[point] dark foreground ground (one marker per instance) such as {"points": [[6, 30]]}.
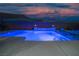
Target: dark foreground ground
{"points": [[17, 46]]}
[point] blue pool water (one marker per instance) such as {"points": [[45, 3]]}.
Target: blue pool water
{"points": [[35, 35]]}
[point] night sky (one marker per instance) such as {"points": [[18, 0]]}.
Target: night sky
{"points": [[43, 10]]}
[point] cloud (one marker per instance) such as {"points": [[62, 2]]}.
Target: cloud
{"points": [[37, 10], [68, 12], [73, 5], [46, 11]]}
